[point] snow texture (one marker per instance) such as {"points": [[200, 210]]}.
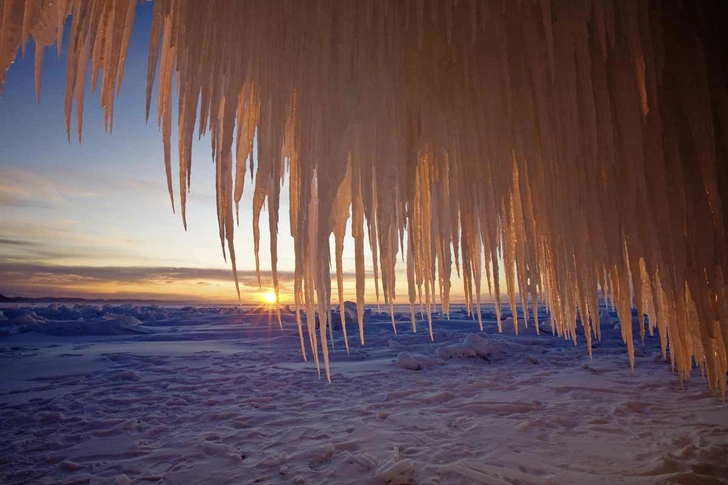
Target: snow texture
{"points": [[221, 395]]}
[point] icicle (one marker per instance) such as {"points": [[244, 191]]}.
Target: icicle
{"points": [[581, 142], [340, 215]]}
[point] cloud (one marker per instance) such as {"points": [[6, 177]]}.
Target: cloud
{"points": [[179, 283], [15, 242], [16, 201], [34, 279], [22, 187], [24, 250], [61, 242], [50, 275], [34, 187], [134, 274], [188, 284]]}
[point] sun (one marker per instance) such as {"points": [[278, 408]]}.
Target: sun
{"points": [[269, 297]]}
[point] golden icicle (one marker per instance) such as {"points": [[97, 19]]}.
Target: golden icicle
{"points": [[585, 143]]}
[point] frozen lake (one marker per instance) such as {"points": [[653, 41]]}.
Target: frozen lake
{"points": [[207, 395]]}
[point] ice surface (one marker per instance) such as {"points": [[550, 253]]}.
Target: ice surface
{"points": [[405, 360], [221, 395], [584, 143], [473, 346]]}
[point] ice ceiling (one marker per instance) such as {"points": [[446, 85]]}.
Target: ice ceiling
{"points": [[585, 142]]}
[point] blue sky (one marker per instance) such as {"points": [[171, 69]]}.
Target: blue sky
{"points": [[94, 219], [103, 203]]}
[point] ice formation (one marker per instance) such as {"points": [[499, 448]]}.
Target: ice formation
{"points": [[583, 143]]}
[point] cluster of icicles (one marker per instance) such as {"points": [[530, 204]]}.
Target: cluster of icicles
{"points": [[582, 144]]}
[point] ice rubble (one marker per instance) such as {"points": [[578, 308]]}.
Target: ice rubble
{"points": [[80, 319], [473, 346], [584, 142]]}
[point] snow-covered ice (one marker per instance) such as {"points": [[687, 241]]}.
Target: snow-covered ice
{"points": [[123, 394]]}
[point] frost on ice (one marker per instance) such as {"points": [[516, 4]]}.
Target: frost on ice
{"points": [[583, 144]]}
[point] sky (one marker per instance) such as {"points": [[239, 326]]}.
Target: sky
{"points": [[93, 219]]}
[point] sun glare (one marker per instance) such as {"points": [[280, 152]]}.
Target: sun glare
{"points": [[269, 297]]}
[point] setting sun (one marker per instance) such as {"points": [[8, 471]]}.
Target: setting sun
{"points": [[269, 297]]}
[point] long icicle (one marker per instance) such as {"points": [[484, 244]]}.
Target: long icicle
{"points": [[584, 142]]}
